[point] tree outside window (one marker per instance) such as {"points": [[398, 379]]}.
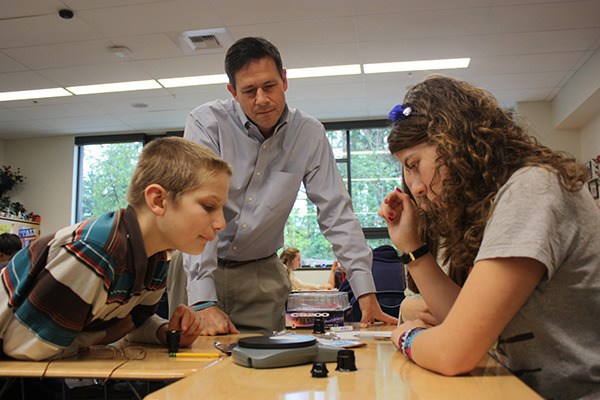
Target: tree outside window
{"points": [[369, 172], [360, 148]]}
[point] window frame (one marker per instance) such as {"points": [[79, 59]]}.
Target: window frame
{"points": [[347, 126], [81, 141]]}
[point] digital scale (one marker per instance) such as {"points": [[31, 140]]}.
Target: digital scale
{"points": [[281, 351]]}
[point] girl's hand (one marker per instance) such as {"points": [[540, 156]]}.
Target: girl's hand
{"points": [[398, 332], [413, 308], [400, 213]]}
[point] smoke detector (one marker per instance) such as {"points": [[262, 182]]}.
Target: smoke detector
{"points": [[202, 41]]}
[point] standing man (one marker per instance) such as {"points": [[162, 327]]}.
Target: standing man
{"points": [[239, 282]]}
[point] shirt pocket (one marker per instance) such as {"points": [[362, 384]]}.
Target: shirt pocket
{"points": [[282, 190]]}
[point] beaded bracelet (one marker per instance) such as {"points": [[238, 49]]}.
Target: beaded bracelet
{"points": [[407, 339]]}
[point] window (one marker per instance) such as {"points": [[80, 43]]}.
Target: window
{"points": [[370, 173], [360, 147], [105, 165]]}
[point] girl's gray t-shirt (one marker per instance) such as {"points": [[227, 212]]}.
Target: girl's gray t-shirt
{"points": [[553, 342]]}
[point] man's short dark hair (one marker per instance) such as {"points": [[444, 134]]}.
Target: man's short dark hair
{"points": [[10, 243], [250, 49]]}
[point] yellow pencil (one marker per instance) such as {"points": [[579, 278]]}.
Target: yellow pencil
{"points": [[196, 355]]}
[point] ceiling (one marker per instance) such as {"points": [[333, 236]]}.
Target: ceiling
{"points": [[521, 50]]}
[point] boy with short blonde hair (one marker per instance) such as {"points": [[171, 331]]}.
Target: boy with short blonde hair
{"points": [[97, 281]]}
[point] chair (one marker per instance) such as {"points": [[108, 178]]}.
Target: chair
{"points": [[388, 275], [389, 301]]}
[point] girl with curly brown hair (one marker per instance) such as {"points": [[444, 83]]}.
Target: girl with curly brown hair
{"points": [[509, 215]]}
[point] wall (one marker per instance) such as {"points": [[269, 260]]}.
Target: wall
{"points": [[2, 152], [318, 276], [47, 164], [590, 139], [538, 116]]}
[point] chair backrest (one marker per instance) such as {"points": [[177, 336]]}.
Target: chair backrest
{"points": [[388, 275], [389, 301]]}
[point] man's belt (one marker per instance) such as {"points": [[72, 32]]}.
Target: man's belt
{"points": [[223, 263]]}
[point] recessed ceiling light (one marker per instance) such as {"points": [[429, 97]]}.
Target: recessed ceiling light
{"points": [[421, 65], [34, 94], [115, 87], [194, 80], [333, 70], [120, 51]]}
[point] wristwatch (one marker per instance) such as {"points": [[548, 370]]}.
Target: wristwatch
{"points": [[413, 255]]}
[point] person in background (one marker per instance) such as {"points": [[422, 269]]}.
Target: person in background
{"points": [[516, 216], [97, 281], [238, 281], [292, 260], [337, 275], [9, 245]]}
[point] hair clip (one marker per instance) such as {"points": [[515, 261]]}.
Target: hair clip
{"points": [[399, 112]]}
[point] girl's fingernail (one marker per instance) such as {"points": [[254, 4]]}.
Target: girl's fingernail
{"points": [[386, 201], [398, 190]]}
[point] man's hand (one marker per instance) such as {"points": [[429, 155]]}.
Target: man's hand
{"points": [[371, 311], [213, 321]]}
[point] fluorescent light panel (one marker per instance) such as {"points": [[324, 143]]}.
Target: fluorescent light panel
{"points": [[34, 94], [194, 80], [333, 70], [115, 87], [310, 72], [422, 65]]}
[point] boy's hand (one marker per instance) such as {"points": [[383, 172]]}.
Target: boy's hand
{"points": [[184, 319]]}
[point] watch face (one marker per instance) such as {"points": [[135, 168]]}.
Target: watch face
{"points": [[413, 255]]}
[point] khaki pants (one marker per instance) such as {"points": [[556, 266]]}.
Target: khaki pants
{"points": [[252, 294]]}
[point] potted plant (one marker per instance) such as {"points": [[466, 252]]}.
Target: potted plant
{"points": [[9, 178]]}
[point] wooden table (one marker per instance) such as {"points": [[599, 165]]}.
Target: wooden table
{"points": [[383, 373], [156, 366]]}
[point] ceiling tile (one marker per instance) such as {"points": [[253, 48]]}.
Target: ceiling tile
{"points": [[408, 25], [544, 17], [64, 55], [45, 29], [266, 11], [159, 17], [536, 42], [123, 71], [209, 64], [25, 80], [520, 50], [301, 33], [400, 6], [428, 48], [8, 64]]}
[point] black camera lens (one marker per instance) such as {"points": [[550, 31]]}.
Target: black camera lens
{"points": [[173, 339], [66, 13]]}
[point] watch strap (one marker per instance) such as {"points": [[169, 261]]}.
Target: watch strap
{"points": [[413, 255]]}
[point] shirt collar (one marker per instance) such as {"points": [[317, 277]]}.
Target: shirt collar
{"points": [[143, 265]]}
